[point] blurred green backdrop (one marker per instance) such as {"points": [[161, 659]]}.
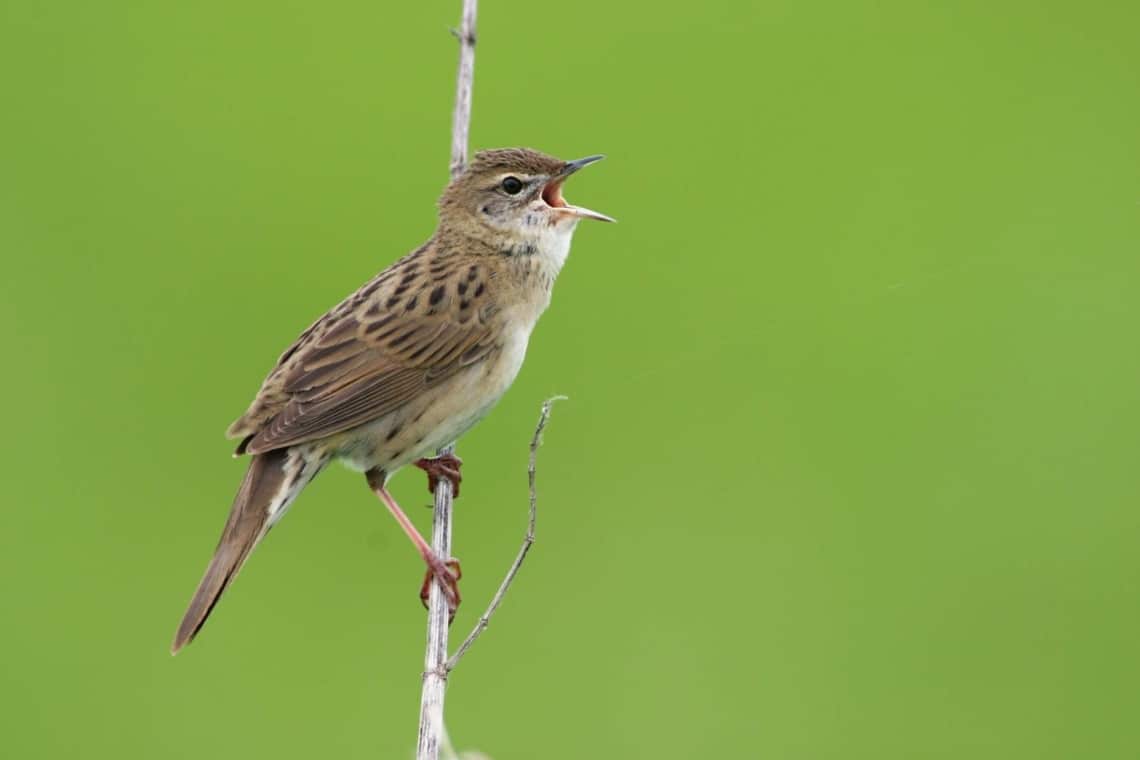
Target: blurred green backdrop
{"points": [[848, 469]]}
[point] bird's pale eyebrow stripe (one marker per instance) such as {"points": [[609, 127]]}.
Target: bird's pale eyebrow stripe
{"points": [[526, 179]]}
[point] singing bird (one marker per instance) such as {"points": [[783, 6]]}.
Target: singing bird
{"points": [[407, 363]]}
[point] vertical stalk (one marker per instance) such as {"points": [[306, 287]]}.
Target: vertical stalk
{"points": [[435, 658]]}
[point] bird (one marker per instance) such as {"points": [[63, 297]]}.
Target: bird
{"points": [[406, 364]]}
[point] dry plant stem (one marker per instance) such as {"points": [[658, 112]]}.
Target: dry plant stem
{"points": [[432, 731], [528, 540], [435, 657], [435, 676], [461, 118]]}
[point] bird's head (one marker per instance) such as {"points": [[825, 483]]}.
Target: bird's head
{"points": [[515, 193]]}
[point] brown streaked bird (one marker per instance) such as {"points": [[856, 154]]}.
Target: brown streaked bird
{"points": [[407, 363]]}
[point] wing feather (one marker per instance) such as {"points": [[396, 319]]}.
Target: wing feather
{"points": [[365, 359]]}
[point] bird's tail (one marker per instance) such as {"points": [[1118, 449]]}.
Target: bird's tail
{"points": [[271, 483]]}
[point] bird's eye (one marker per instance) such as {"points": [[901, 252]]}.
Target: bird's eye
{"points": [[512, 185]]}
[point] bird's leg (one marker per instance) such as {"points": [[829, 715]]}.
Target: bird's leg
{"points": [[443, 466], [447, 572]]}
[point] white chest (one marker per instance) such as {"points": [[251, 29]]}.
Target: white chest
{"points": [[553, 244], [473, 394]]}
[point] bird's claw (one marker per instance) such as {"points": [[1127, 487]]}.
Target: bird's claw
{"points": [[448, 573], [443, 466]]}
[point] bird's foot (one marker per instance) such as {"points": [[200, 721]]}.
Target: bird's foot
{"points": [[448, 574], [444, 466]]}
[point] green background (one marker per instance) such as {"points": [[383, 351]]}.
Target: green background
{"points": [[849, 465]]}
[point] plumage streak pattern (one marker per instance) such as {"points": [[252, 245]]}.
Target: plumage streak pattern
{"points": [[418, 322]]}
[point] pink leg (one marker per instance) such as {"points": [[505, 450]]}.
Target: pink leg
{"points": [[447, 573]]}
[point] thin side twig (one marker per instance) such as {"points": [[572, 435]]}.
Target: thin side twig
{"points": [[528, 541], [435, 657]]}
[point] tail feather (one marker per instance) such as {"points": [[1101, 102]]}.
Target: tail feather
{"points": [[265, 493]]}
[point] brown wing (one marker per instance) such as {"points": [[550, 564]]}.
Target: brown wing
{"points": [[407, 330]]}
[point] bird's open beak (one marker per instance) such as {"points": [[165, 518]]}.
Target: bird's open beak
{"points": [[552, 193]]}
